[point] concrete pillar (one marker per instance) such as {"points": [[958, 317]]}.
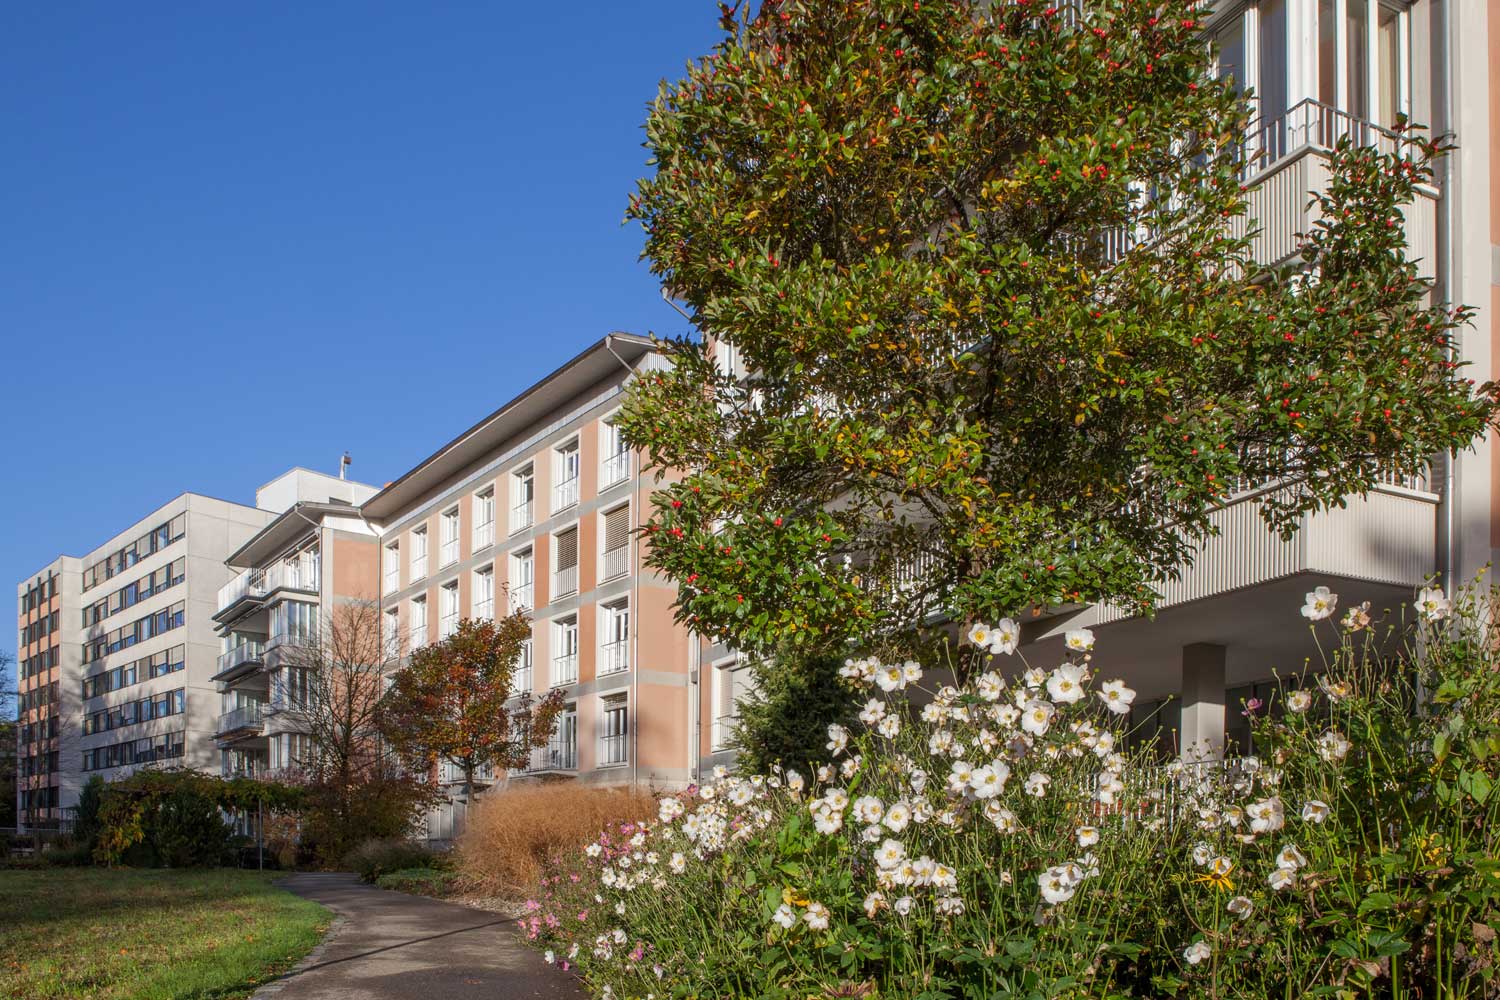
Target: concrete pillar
{"points": [[1202, 701]]}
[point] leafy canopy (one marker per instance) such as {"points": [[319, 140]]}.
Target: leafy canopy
{"points": [[452, 701], [1000, 342]]}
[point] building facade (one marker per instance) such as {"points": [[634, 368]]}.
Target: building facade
{"points": [[117, 651], [315, 561], [535, 508]]}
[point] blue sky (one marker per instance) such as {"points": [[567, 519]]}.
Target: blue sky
{"points": [[237, 239]]}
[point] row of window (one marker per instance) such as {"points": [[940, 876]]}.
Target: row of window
{"points": [[46, 694], [41, 628], [157, 706], [293, 622], [35, 800], [614, 469], [137, 631], [133, 593], [561, 751], [40, 663], [127, 556], [35, 764], [41, 729], [168, 746], [38, 593], [168, 661]]}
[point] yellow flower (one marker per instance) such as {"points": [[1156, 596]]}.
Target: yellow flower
{"points": [[791, 897], [1217, 881]]}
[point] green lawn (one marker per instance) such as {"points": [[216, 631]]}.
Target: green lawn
{"points": [[91, 932]]}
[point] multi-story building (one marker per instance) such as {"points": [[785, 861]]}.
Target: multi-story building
{"points": [[117, 649], [313, 561], [535, 508]]}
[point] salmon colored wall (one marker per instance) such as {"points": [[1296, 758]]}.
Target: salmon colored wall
{"points": [[356, 568]]}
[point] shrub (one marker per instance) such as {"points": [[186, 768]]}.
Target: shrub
{"points": [[375, 858], [792, 702], [68, 854], [511, 834], [419, 881], [1000, 844]]}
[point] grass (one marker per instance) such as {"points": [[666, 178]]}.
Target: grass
{"points": [[148, 935]]}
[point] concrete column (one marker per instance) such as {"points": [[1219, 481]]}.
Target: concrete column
{"points": [[1202, 701]]}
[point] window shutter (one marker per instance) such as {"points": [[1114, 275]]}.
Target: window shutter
{"points": [[616, 529], [567, 549]]}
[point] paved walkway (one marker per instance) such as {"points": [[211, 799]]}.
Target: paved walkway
{"points": [[392, 946]]}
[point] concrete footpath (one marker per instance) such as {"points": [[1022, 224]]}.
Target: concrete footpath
{"points": [[392, 946]]}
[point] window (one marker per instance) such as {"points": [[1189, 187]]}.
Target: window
{"points": [[447, 609], [616, 543], [418, 627], [293, 622], [614, 637], [522, 590], [484, 518], [613, 748], [565, 551], [614, 467], [419, 552], [565, 650], [392, 567], [484, 592], [562, 749], [448, 523], [522, 491], [565, 476], [392, 633], [521, 682], [729, 683]]}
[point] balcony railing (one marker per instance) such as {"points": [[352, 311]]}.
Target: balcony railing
{"points": [[521, 682], [521, 597], [418, 567], [723, 728], [520, 516], [614, 469], [447, 625], [564, 669], [448, 554], [250, 583], [616, 562], [559, 755], [484, 534], [614, 656], [299, 575], [246, 652], [246, 717], [613, 750], [565, 494], [392, 581], [565, 581]]}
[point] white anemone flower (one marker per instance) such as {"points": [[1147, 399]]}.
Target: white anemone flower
{"points": [[1291, 858], [1298, 701], [1197, 952], [1003, 819], [868, 809], [1087, 836], [1240, 906], [959, 776], [1058, 884], [784, 917], [890, 677], [1266, 816], [816, 916], [1036, 784], [1202, 852], [873, 712], [889, 727], [1332, 746], [1315, 811], [1037, 717], [1116, 696], [874, 903], [677, 863], [1320, 603], [1432, 604], [1079, 640], [1035, 677], [1282, 878], [989, 781], [980, 634], [903, 905], [838, 738], [890, 854], [1109, 788], [911, 672], [897, 817], [1065, 685], [1005, 637], [989, 686]]}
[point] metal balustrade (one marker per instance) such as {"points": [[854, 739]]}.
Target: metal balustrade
{"points": [[248, 716]]}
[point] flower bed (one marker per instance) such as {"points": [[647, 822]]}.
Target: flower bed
{"points": [[1002, 842]]}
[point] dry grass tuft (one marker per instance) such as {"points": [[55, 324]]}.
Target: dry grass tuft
{"points": [[511, 834]]}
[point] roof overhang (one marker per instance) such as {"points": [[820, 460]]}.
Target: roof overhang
{"points": [[289, 526], [596, 363]]}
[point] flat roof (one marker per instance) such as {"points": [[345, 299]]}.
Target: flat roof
{"points": [[589, 367]]}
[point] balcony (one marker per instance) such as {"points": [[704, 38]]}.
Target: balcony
{"points": [[565, 494], [419, 567], [613, 750], [614, 656], [616, 562], [520, 516], [301, 575], [564, 669], [448, 554], [240, 661], [247, 720], [558, 755], [614, 469], [565, 581], [484, 535], [244, 591], [521, 597]]}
